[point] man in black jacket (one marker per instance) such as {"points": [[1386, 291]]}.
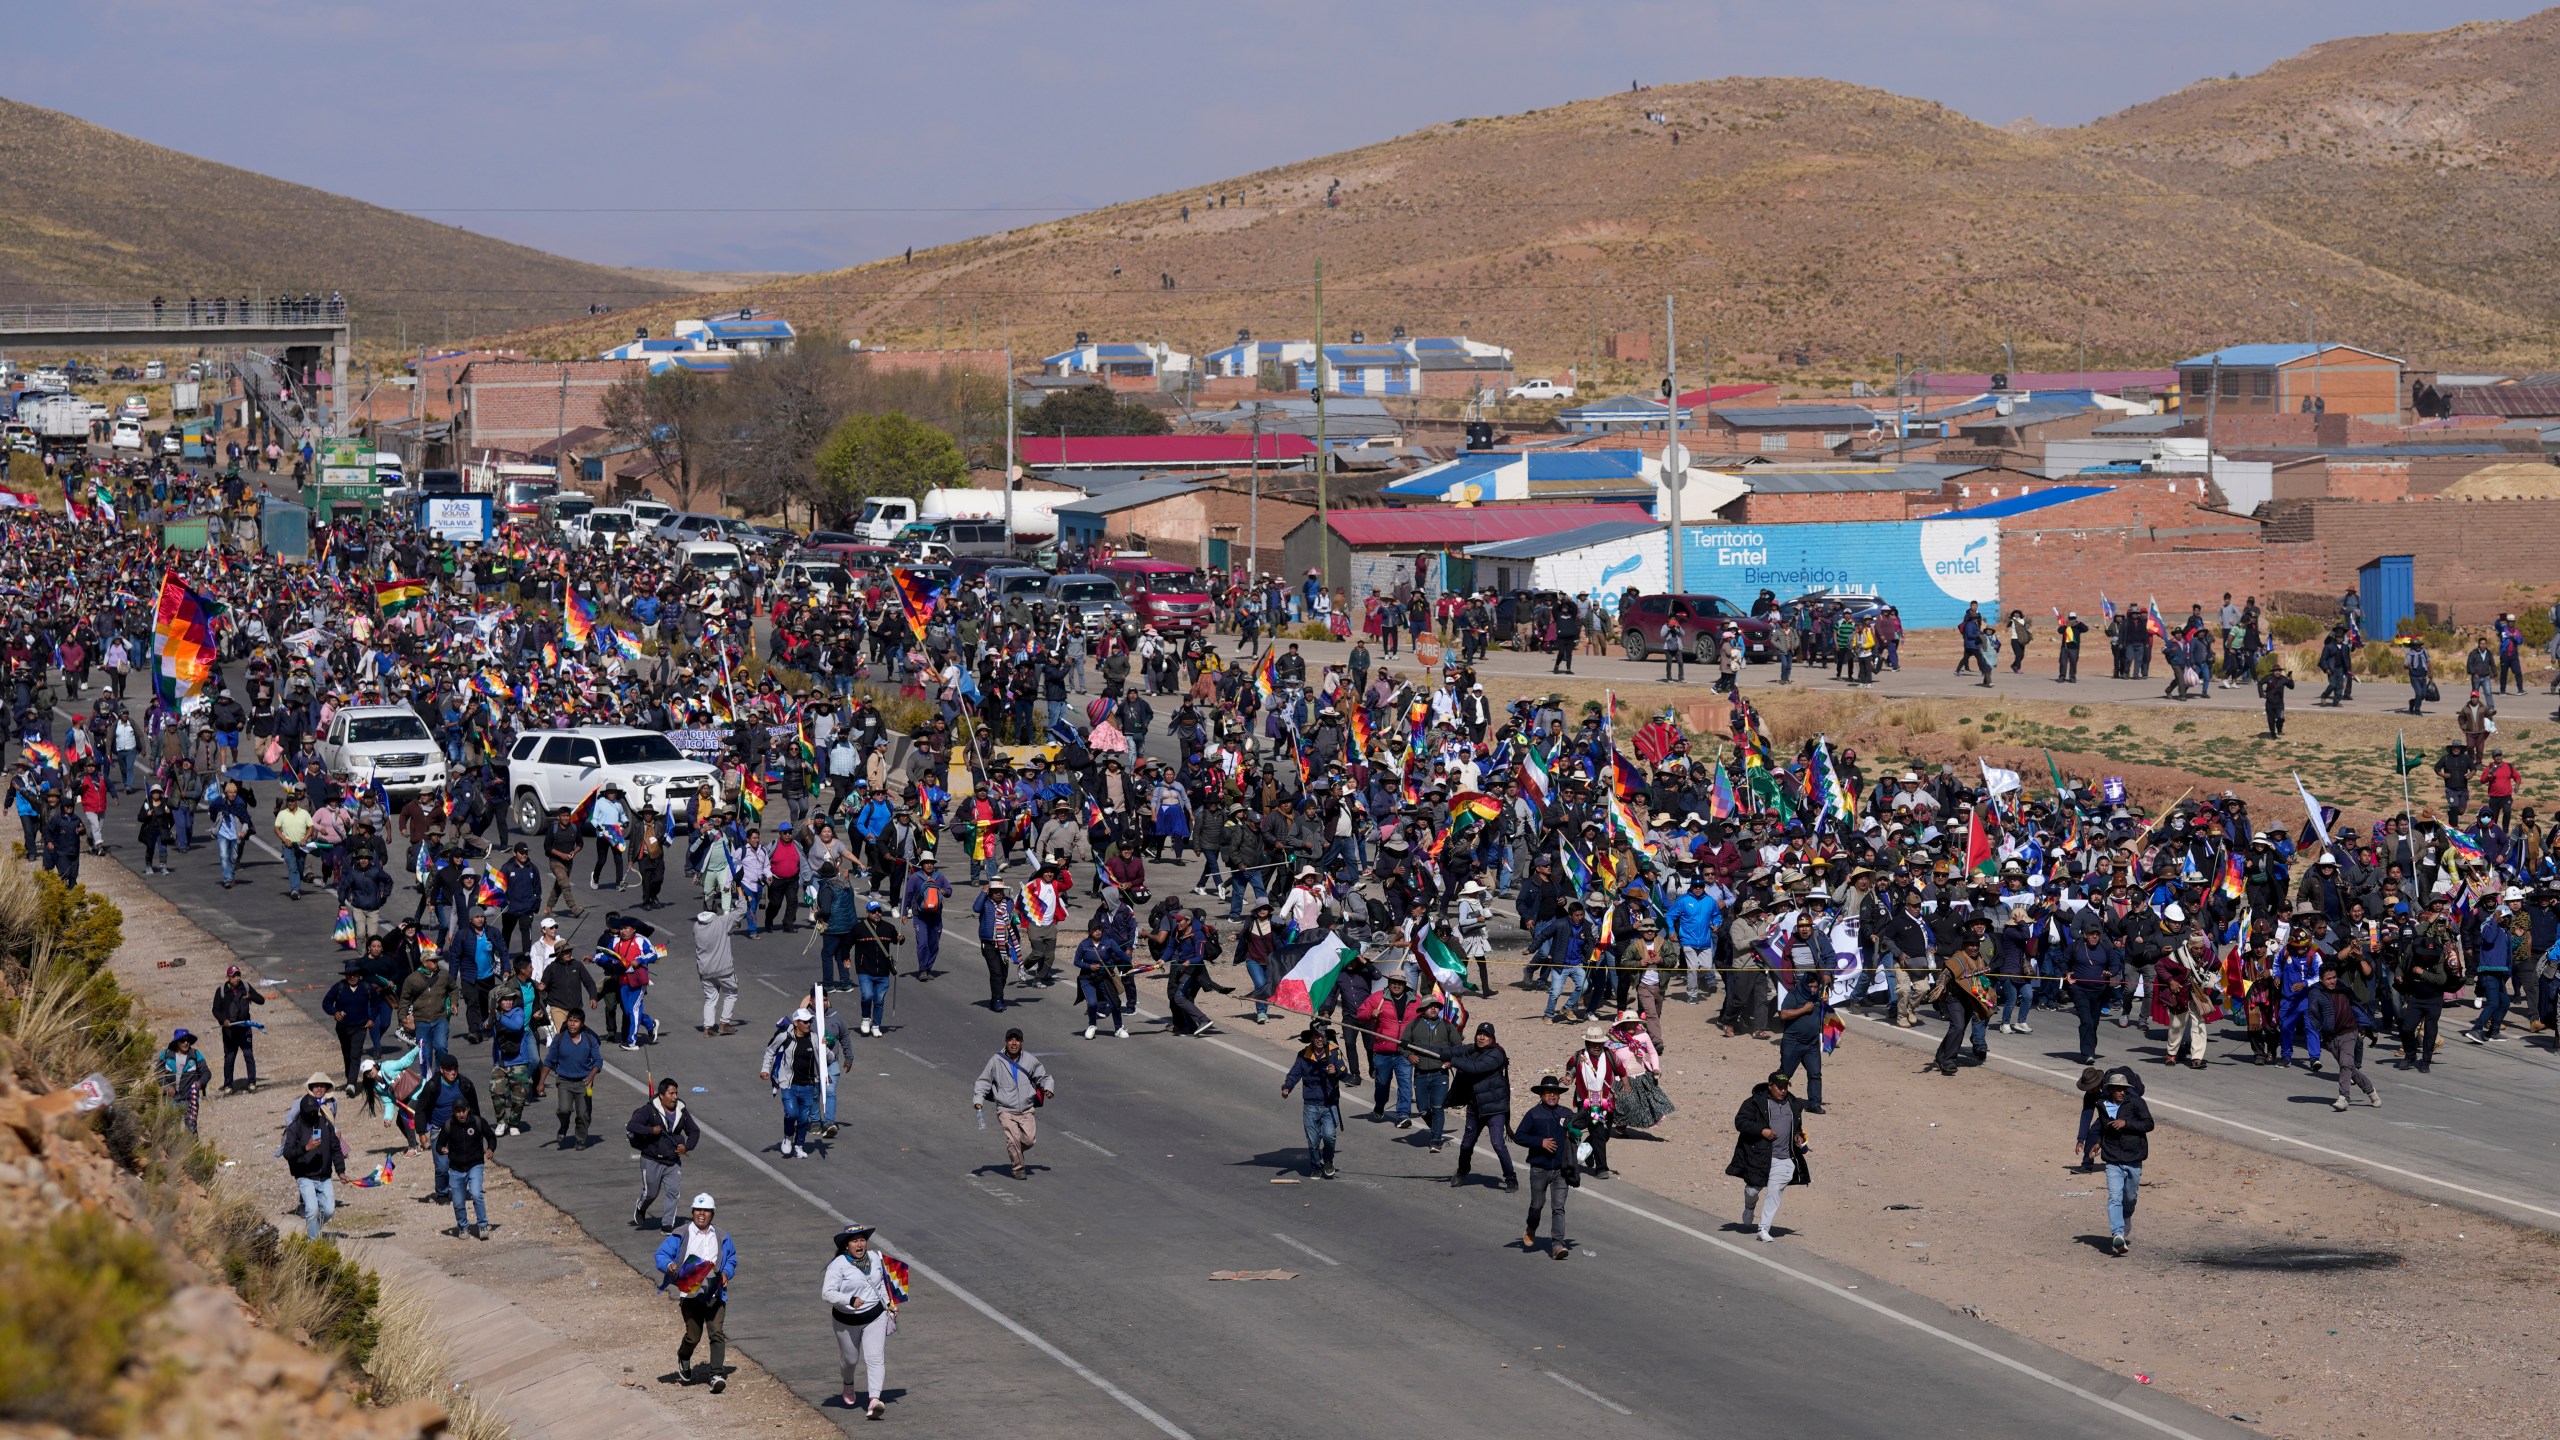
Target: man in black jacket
{"points": [[664, 1132], [1482, 1087], [1768, 1150], [239, 1033], [2124, 1143], [1546, 1134]]}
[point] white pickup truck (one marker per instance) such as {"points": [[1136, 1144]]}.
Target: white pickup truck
{"points": [[551, 770], [389, 743]]}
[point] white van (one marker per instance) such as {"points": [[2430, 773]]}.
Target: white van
{"points": [[715, 557]]}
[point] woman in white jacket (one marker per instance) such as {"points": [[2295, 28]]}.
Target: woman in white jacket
{"points": [[856, 1290]]}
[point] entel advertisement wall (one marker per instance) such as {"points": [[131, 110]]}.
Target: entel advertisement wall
{"points": [[1929, 570]]}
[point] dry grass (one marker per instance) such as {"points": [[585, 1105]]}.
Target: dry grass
{"points": [[411, 1362], [1916, 717]]}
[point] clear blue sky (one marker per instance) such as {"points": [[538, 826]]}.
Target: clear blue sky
{"points": [[802, 135]]}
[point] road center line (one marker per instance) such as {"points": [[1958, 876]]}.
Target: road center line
{"points": [[1303, 1248], [1020, 1331], [1587, 1393], [910, 1054], [1089, 1145]]}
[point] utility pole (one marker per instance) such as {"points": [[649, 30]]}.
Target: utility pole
{"points": [[1253, 512], [1674, 473], [2212, 402], [1324, 506], [1008, 445]]}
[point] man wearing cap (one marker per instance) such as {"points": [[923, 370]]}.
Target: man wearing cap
{"points": [[1318, 1075], [355, 1006], [794, 1065], [717, 966], [314, 1155], [1768, 1150], [567, 982], [231, 1009], [700, 1255], [927, 890], [2124, 1144], [1545, 1134], [523, 899], [1018, 1084]]}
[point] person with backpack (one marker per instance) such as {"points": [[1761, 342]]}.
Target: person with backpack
{"points": [[315, 1157]]}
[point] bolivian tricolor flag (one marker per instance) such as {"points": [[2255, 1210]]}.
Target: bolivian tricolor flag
{"points": [[393, 596], [1473, 805]]}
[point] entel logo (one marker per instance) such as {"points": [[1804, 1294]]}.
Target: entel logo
{"points": [[1962, 559]]}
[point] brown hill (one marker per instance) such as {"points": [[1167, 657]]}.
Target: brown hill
{"points": [[90, 214], [2429, 156], [1809, 215]]}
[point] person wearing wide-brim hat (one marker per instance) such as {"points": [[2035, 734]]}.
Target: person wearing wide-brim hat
{"points": [[1768, 1150], [1318, 1074], [1545, 1134], [862, 1309]]}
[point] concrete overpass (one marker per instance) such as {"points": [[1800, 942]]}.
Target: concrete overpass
{"points": [[312, 337]]}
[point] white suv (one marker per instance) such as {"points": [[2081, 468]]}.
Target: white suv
{"points": [[556, 769], [389, 743]]}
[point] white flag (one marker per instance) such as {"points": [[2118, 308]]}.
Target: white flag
{"points": [[1998, 782], [2311, 807]]}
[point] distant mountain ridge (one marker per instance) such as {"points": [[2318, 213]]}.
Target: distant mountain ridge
{"points": [[2395, 188], [90, 214]]}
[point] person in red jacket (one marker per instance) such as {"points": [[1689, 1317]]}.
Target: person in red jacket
{"points": [[782, 892], [2501, 780], [1385, 1015]]}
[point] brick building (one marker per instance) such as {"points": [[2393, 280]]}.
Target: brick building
{"points": [[1792, 430], [508, 407], [2293, 379], [1214, 524]]}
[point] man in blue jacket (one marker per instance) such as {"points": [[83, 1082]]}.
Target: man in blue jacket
{"points": [[1696, 916], [698, 1262], [572, 1062], [472, 953], [2297, 973], [1545, 1134], [523, 885]]}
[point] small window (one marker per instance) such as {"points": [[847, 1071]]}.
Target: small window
{"points": [[583, 753], [2262, 383], [558, 751], [2230, 384], [1773, 442]]}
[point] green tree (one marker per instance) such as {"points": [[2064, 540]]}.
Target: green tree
{"points": [[1091, 410], [889, 454]]}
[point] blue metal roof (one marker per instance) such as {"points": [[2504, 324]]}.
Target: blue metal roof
{"points": [[1365, 355], [2283, 354], [1544, 466], [751, 329], [1123, 497], [2009, 505], [1838, 417], [1537, 546]]}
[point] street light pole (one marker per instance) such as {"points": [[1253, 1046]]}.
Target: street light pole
{"points": [[1673, 471]]}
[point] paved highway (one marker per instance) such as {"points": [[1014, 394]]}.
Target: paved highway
{"points": [[1078, 1301]]}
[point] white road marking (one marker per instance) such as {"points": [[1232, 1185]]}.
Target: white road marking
{"points": [[1587, 1393], [1019, 1331], [2350, 1157], [1888, 1312], [769, 985], [910, 1054], [1089, 1145], [1303, 1248]]}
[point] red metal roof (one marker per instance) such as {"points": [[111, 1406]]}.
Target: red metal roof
{"points": [[1451, 525], [1134, 452], [1718, 394]]}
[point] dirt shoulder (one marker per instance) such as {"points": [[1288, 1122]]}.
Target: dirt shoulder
{"points": [[536, 1257], [2451, 1335]]}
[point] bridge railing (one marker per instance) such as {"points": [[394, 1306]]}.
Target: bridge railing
{"points": [[255, 312]]}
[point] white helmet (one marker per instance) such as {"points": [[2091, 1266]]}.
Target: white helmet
{"points": [[703, 1202]]}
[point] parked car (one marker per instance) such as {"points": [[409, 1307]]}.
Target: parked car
{"points": [[648, 512], [1093, 599], [385, 743], [713, 557], [551, 769], [127, 435], [602, 527], [825, 577], [683, 525], [1701, 619], [1540, 390], [135, 407]]}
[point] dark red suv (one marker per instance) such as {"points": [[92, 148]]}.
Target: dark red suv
{"points": [[1703, 619]]}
